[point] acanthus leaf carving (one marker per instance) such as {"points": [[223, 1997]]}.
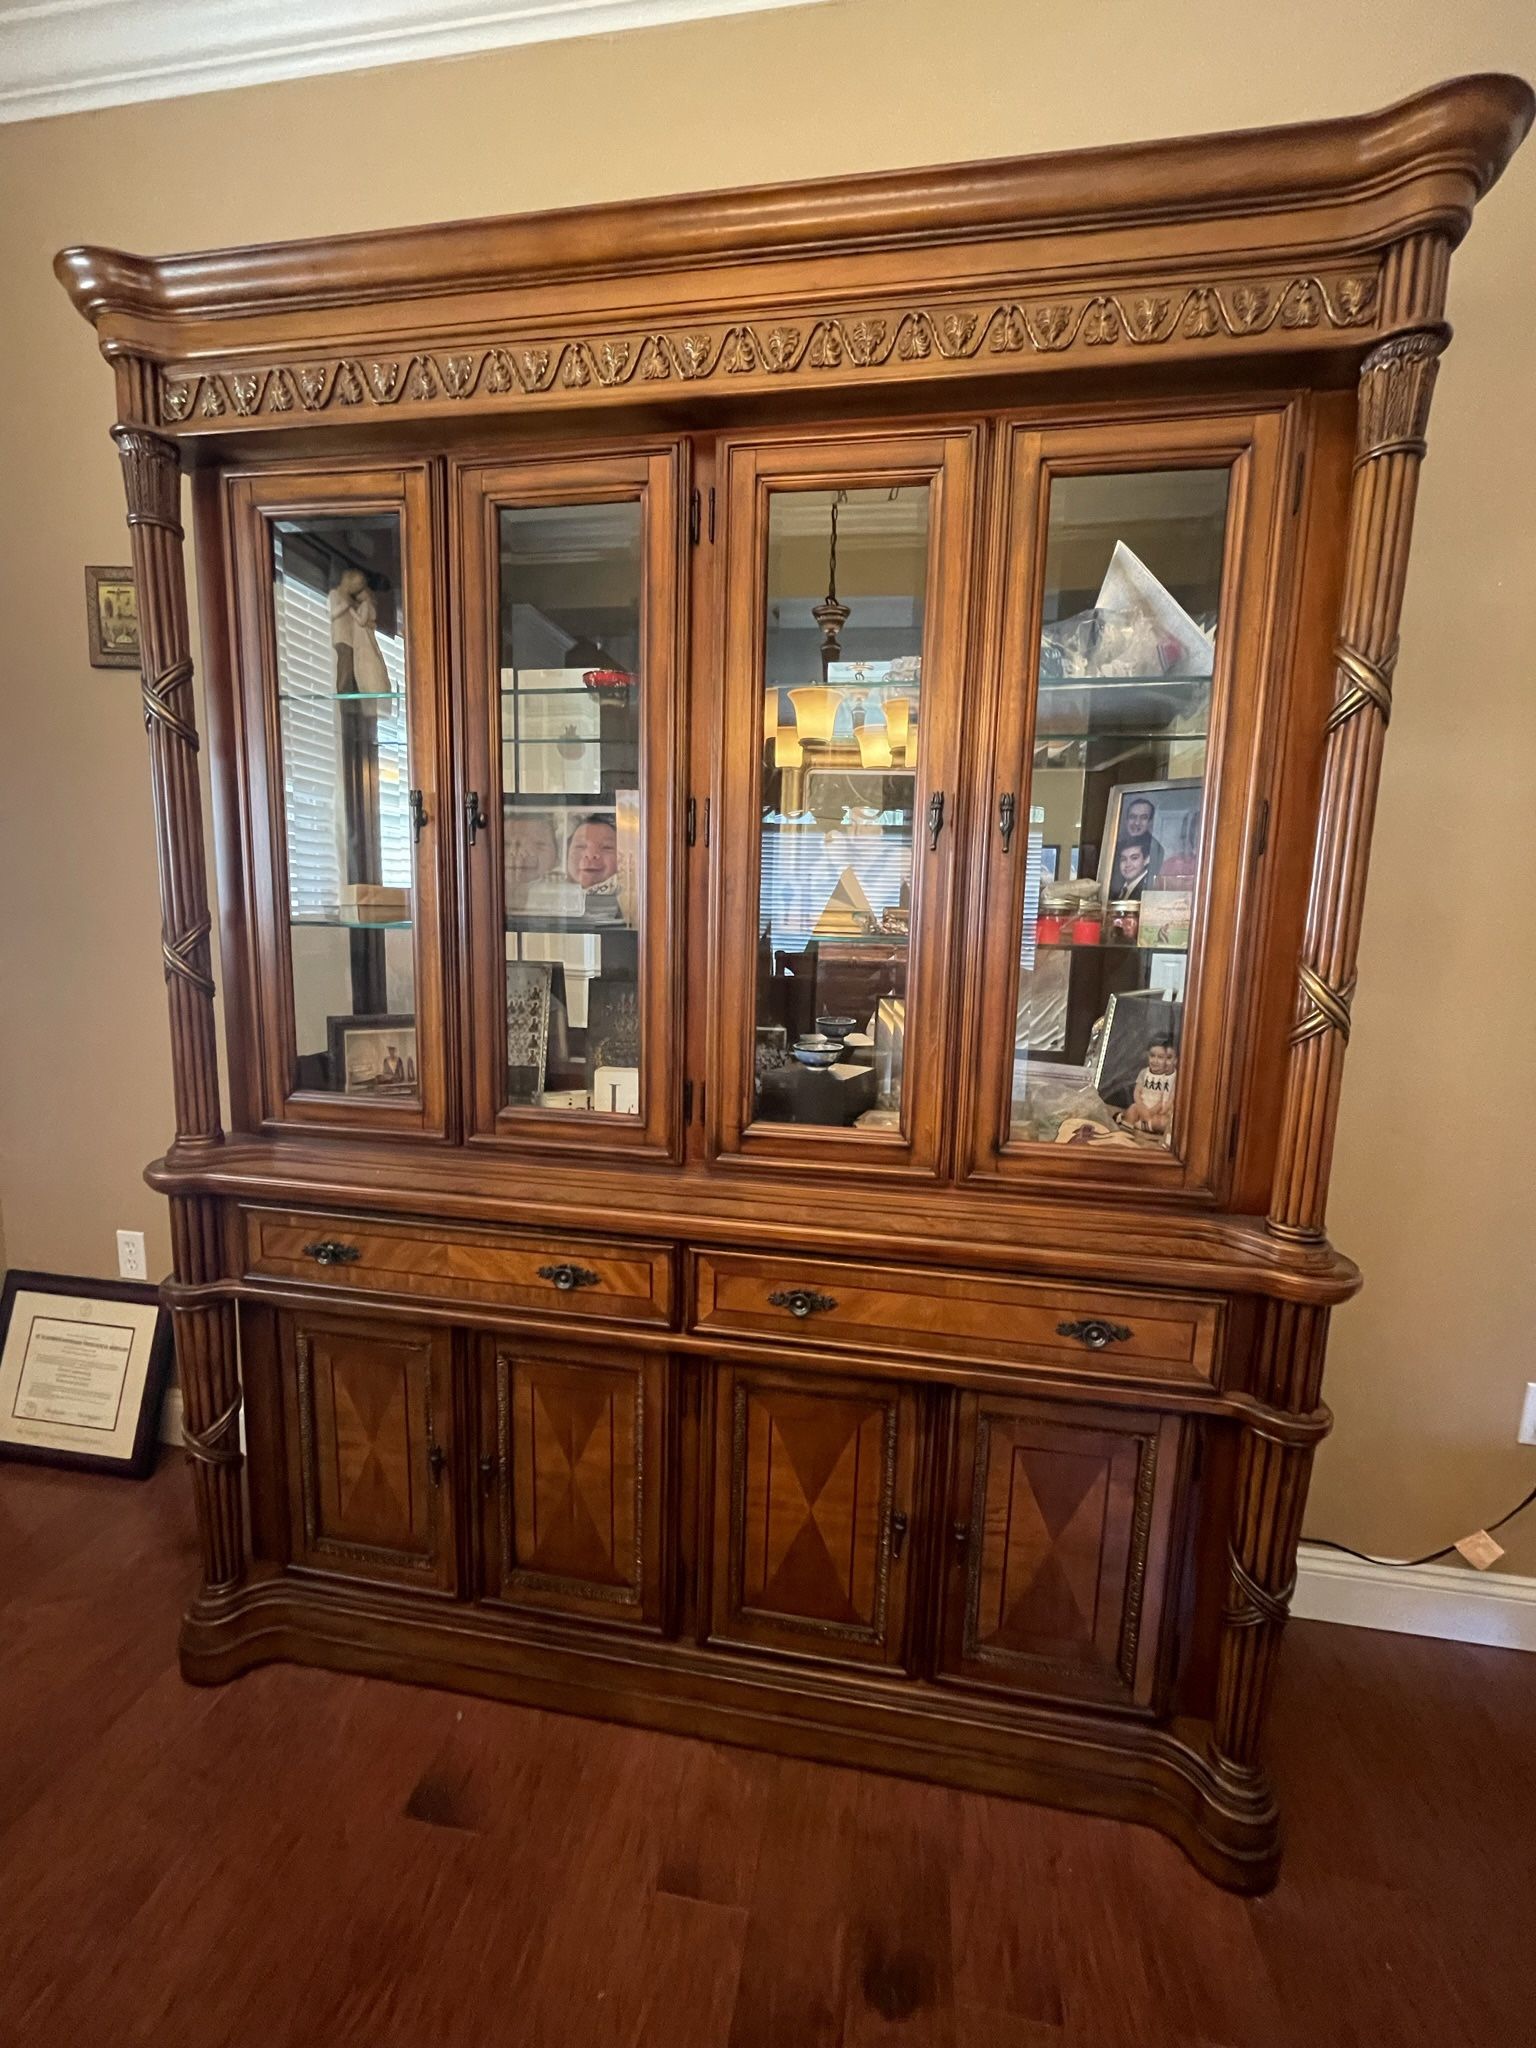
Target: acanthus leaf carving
{"points": [[1100, 325], [459, 372], [861, 340], [613, 360], [780, 349]]}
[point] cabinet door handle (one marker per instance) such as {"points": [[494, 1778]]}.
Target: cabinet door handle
{"points": [[437, 1457], [1097, 1335], [961, 1533], [935, 818], [1006, 806], [330, 1251], [475, 819], [801, 1301], [487, 1471], [564, 1278], [419, 818], [898, 1535]]}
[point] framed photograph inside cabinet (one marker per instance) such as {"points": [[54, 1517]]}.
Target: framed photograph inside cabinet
{"points": [[83, 1371]]}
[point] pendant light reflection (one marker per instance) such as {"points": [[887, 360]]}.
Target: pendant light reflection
{"points": [[816, 708], [898, 723], [874, 745]]}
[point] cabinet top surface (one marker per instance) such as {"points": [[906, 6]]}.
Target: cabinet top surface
{"points": [[1356, 181]]}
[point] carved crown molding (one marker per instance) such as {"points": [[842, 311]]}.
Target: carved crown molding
{"points": [[916, 340]]}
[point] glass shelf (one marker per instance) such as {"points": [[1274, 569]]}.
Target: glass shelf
{"points": [[340, 920], [1103, 948], [1163, 738], [587, 927], [628, 699], [340, 696]]}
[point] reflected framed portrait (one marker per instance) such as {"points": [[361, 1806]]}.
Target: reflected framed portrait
{"points": [[373, 1056], [111, 618], [1151, 834], [84, 1365]]}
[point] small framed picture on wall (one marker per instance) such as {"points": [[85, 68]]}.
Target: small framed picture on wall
{"points": [[111, 618]]}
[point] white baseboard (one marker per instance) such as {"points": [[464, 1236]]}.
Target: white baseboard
{"points": [[1451, 1601], [170, 1417]]}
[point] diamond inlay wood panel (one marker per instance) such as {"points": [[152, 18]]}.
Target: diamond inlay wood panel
{"points": [[1064, 1517], [809, 1475], [575, 1449], [368, 1404]]}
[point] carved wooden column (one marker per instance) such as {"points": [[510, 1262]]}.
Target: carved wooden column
{"points": [[1286, 1422], [203, 1323]]}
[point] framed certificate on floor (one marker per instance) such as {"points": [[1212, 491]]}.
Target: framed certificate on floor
{"points": [[83, 1371]]}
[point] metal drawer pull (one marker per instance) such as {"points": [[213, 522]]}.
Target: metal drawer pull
{"points": [[567, 1277], [1096, 1335], [801, 1301], [898, 1535], [330, 1251]]}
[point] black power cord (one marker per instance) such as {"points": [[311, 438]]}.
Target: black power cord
{"points": [[1430, 1556]]}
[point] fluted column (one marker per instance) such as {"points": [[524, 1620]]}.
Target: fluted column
{"points": [[1396, 383], [1284, 1419], [206, 1361]]}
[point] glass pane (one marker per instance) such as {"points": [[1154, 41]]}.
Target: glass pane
{"points": [[842, 727], [1113, 823], [570, 776], [341, 672]]}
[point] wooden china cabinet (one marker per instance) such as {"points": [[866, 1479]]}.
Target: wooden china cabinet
{"points": [[791, 775]]}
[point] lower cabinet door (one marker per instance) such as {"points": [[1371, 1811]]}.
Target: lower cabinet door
{"points": [[813, 1498], [572, 1474], [369, 1407], [1058, 1548]]}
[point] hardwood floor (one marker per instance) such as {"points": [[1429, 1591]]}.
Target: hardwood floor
{"points": [[300, 1858]]}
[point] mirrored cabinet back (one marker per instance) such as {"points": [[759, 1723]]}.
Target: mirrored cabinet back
{"points": [[791, 775]]}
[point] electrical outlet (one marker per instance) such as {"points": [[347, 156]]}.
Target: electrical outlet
{"points": [[1528, 1414], [131, 1262]]}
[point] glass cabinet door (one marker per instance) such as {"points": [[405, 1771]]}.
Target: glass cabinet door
{"points": [[1133, 608], [337, 673], [571, 611], [845, 623]]}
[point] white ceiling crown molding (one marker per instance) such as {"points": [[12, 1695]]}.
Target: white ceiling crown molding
{"points": [[67, 56]]}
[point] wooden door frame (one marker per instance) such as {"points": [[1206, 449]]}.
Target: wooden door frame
{"points": [[753, 467], [254, 499], [1260, 443], [653, 473]]}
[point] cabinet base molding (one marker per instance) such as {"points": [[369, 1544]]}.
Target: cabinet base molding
{"points": [[1158, 1776]]}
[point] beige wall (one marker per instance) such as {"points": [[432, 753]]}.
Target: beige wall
{"points": [[1434, 1184]]}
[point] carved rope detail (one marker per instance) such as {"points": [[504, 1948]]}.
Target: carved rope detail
{"points": [[1254, 1603], [158, 706], [206, 1445], [865, 340], [1370, 684], [1326, 1009], [181, 957]]}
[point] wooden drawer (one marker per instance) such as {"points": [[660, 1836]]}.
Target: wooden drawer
{"points": [[956, 1315], [579, 1276]]}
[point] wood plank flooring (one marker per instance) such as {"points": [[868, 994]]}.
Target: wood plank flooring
{"points": [[305, 1859]]}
